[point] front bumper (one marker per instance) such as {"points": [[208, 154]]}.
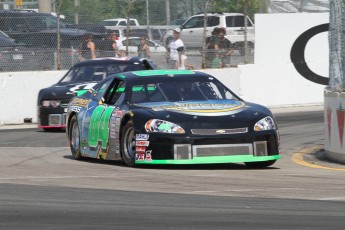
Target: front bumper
{"points": [[51, 117], [208, 150]]}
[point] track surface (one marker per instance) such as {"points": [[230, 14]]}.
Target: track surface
{"points": [[43, 188]]}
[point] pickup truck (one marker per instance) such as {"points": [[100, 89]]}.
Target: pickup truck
{"points": [[192, 30]]}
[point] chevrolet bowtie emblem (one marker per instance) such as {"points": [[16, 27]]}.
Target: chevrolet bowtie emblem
{"points": [[220, 131]]}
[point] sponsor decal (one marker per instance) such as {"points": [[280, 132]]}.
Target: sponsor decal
{"points": [[202, 107], [142, 137], [148, 156], [298, 58], [80, 102], [142, 143], [73, 108], [140, 149], [139, 156], [341, 122]]}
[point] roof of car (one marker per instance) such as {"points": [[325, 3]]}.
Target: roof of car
{"points": [[168, 73], [109, 59]]}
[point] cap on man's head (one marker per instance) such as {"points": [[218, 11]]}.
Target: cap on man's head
{"points": [[178, 30]]}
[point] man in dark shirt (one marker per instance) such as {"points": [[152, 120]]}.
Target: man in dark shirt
{"points": [[226, 48]]}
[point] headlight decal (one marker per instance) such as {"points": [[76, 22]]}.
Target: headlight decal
{"points": [[266, 123], [160, 126]]}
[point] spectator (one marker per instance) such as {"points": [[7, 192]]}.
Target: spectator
{"points": [[184, 62], [212, 47], [217, 61], [107, 46], [174, 50], [121, 49], [87, 49], [226, 47], [143, 48]]}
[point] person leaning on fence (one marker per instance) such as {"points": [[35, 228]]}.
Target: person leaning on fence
{"points": [[174, 50], [212, 47], [87, 48], [226, 47], [143, 48]]}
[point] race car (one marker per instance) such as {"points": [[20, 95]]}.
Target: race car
{"points": [[170, 117], [52, 101]]}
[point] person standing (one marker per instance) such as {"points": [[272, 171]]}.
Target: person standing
{"points": [[212, 47], [143, 48], [87, 49], [226, 47], [175, 49]]}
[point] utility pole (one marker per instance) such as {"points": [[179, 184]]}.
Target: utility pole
{"points": [[45, 6], [337, 46], [76, 14], [167, 10]]}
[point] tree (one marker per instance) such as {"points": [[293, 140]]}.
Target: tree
{"points": [[337, 46]]}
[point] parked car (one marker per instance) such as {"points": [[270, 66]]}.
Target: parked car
{"points": [[133, 43], [108, 23], [52, 101], [170, 117], [15, 57], [192, 30]]}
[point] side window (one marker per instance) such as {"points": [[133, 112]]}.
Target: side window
{"points": [[116, 94], [101, 90], [212, 21], [195, 22], [237, 21]]}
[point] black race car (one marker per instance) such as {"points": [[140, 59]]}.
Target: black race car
{"points": [[170, 117], [52, 101]]}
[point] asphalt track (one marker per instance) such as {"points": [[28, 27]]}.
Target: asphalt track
{"points": [[41, 187]]}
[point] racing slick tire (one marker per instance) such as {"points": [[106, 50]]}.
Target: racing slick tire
{"points": [[74, 138], [260, 164], [128, 144]]}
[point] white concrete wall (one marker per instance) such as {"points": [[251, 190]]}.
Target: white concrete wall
{"points": [[271, 81]]}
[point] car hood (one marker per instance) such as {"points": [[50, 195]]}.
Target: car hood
{"points": [[59, 91], [212, 111]]}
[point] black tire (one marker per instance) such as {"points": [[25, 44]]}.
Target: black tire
{"points": [[260, 164], [128, 144], [74, 138]]}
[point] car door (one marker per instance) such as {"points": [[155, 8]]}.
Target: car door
{"points": [[193, 30], [97, 120]]}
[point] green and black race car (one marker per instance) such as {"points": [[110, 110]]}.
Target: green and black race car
{"points": [[170, 117]]}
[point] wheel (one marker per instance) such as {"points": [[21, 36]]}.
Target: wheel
{"points": [[260, 164], [128, 144], [74, 138]]}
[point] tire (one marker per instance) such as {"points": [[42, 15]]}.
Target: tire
{"points": [[260, 164], [74, 138], [128, 144]]}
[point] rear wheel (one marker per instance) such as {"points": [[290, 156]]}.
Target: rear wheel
{"points": [[74, 138], [260, 164], [128, 144]]}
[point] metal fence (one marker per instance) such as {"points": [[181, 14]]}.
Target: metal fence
{"points": [[55, 40]]}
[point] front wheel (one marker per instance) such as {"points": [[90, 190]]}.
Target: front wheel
{"points": [[74, 138], [260, 164], [128, 144]]}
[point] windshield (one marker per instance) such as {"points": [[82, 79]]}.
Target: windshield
{"points": [[5, 42], [97, 72], [43, 22], [179, 91]]}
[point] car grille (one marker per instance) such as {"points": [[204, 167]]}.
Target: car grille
{"points": [[218, 131], [64, 103], [222, 150]]}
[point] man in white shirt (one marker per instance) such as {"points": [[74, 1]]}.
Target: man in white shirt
{"points": [[175, 49]]}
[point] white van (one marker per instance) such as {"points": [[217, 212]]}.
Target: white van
{"points": [[119, 22]]}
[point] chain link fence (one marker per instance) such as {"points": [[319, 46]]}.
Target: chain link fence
{"points": [[58, 38]]}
